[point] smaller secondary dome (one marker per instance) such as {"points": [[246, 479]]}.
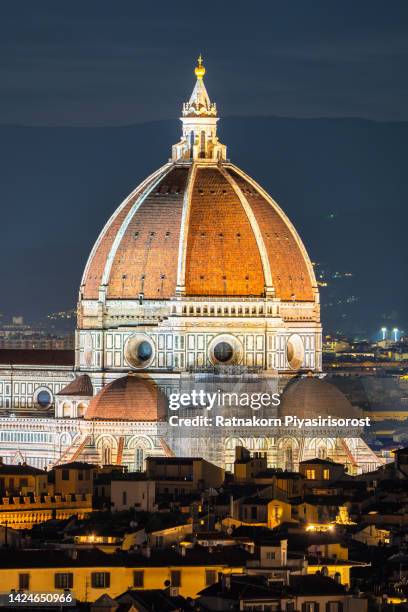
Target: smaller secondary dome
{"points": [[128, 398], [309, 398]]}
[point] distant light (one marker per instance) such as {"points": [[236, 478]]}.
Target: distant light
{"points": [[384, 332], [322, 527]]}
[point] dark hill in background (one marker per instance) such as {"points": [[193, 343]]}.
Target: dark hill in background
{"points": [[343, 183]]}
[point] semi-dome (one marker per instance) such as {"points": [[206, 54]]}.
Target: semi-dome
{"points": [[129, 398], [313, 397], [199, 226]]}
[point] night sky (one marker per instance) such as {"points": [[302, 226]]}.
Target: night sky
{"points": [[314, 102]]}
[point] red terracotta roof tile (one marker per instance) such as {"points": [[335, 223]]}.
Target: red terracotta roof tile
{"points": [[81, 386], [128, 398]]}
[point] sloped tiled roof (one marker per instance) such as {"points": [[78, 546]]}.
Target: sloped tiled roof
{"points": [[81, 386]]}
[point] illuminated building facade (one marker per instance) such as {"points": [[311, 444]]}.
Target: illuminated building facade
{"points": [[197, 269]]}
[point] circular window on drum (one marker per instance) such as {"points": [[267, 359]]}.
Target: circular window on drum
{"points": [[43, 398], [295, 352], [225, 350], [139, 351]]}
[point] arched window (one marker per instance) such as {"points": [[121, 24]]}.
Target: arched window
{"points": [[107, 455], [322, 452], [139, 459], [81, 410], [288, 458], [202, 144]]}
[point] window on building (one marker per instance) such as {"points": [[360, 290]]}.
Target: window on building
{"points": [[80, 475], [100, 580], [288, 458], [44, 398], [270, 556], [144, 351], [81, 409], [334, 606], [65, 475], [139, 459], [311, 474], [276, 512], [326, 474], [310, 606], [322, 452], [223, 352], [175, 578], [23, 482], [107, 455], [124, 498], [254, 513], [138, 579], [63, 580], [24, 582], [211, 577]]}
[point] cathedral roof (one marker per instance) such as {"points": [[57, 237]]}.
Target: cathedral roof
{"points": [[128, 398], [312, 397], [236, 242], [199, 226], [80, 386]]}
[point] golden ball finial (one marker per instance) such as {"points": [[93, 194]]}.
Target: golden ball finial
{"points": [[200, 70]]}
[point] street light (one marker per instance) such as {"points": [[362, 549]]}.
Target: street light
{"points": [[384, 332]]}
